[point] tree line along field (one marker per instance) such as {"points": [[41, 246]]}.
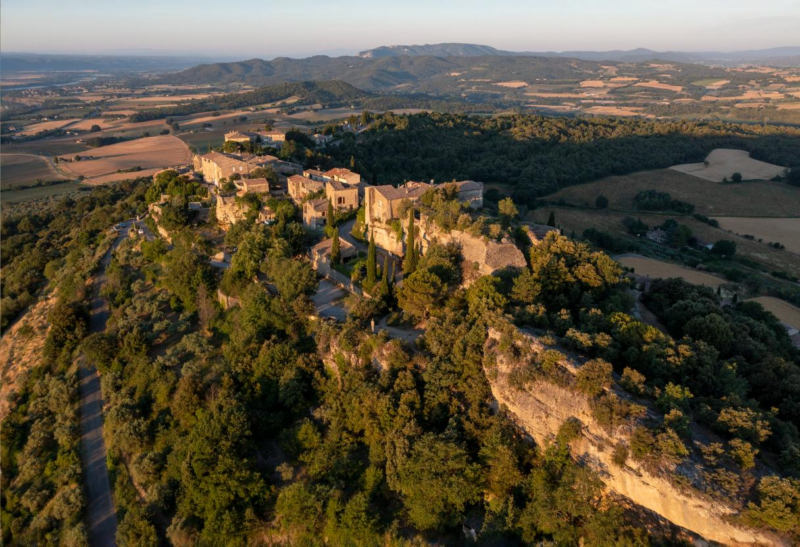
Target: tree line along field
{"points": [[752, 199], [578, 220]]}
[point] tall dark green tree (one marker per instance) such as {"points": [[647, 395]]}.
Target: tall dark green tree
{"points": [[551, 221], [371, 265], [336, 252], [385, 277], [411, 257], [329, 219]]}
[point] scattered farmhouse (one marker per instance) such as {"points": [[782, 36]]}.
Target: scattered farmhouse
{"points": [[315, 212], [275, 137], [320, 139], [300, 187], [240, 137]]}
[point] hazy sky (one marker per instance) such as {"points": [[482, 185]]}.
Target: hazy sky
{"points": [[267, 28]]}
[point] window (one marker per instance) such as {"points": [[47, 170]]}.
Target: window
{"points": [[340, 200]]}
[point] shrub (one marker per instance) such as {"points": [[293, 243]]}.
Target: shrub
{"points": [[594, 377], [620, 455], [633, 381]]}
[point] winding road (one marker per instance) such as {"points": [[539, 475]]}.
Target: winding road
{"points": [[101, 516]]}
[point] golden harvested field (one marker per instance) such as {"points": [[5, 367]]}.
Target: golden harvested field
{"points": [[789, 106], [784, 311], [658, 85], [148, 153], [657, 269], [724, 162], [593, 83], [762, 198], [321, 115], [782, 230], [615, 110], [46, 126], [88, 123], [513, 85]]}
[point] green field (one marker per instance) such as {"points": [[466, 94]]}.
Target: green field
{"points": [[22, 170], [18, 196], [45, 147]]}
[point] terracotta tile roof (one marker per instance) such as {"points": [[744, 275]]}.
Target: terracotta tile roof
{"points": [[338, 172]]}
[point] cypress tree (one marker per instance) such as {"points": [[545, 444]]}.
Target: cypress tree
{"points": [[336, 253], [371, 266], [552, 220], [329, 220], [385, 277], [411, 258]]}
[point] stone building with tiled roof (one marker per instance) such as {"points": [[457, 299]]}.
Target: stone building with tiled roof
{"points": [[252, 186], [299, 187], [343, 196], [345, 176], [240, 137], [315, 212]]}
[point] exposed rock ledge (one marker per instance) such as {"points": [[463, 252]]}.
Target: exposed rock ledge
{"points": [[542, 407]]}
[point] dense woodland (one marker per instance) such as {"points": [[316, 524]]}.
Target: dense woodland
{"points": [[256, 424], [534, 156]]}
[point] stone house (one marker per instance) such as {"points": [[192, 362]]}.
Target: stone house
{"points": [[382, 203], [315, 213], [252, 186], [300, 187], [314, 174], [216, 166], [343, 196]]}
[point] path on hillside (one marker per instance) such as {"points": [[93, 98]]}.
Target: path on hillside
{"points": [[101, 516]]}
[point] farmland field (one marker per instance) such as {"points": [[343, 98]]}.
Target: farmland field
{"points": [[781, 230], [722, 163], [660, 270], [22, 170], [578, 220], [762, 198], [783, 310], [101, 164]]}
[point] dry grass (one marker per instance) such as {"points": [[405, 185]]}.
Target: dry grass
{"points": [[21, 351], [149, 153], [752, 94], [782, 230], [615, 110], [657, 269], [763, 198], [516, 84], [658, 85], [724, 162], [784, 311]]}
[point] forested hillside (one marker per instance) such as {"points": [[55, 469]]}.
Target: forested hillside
{"points": [[533, 156]]}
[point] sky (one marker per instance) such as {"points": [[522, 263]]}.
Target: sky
{"points": [[299, 28]]}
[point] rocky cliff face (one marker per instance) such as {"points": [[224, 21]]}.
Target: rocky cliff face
{"points": [[541, 407]]}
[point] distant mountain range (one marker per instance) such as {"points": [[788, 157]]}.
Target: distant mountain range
{"points": [[790, 56]]}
